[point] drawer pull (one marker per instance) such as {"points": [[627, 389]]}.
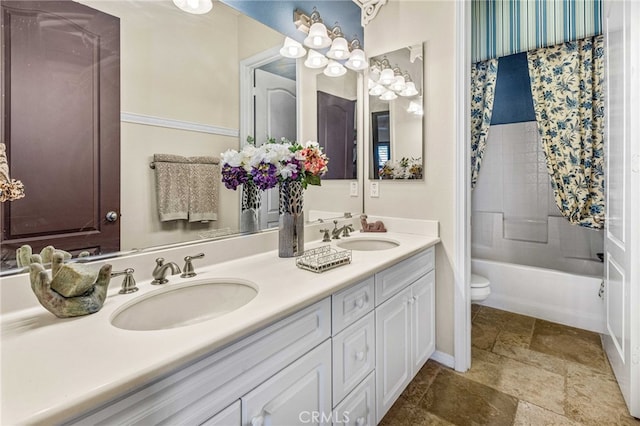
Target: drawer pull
{"points": [[360, 355], [359, 302], [360, 421]]}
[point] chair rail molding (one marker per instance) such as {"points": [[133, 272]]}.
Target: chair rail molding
{"points": [[370, 9]]}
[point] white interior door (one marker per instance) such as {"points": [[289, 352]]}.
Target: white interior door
{"points": [[622, 232], [275, 117]]}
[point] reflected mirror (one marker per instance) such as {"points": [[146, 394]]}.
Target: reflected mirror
{"points": [[179, 80], [396, 114]]}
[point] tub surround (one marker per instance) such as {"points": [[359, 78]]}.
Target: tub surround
{"points": [[97, 361]]}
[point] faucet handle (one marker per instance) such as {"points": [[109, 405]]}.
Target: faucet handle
{"points": [[128, 283], [188, 266], [325, 237]]}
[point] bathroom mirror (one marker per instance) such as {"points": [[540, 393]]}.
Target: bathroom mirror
{"points": [[179, 95], [396, 115]]}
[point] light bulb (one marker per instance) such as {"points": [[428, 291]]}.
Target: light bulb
{"points": [[197, 7], [292, 49], [334, 69]]}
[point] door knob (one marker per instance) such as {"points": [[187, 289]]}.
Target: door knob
{"points": [[111, 216]]}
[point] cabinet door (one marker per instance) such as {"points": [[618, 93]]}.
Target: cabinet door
{"points": [[423, 320], [230, 416], [393, 350], [299, 394]]}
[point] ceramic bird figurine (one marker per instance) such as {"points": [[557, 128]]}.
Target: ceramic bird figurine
{"points": [[376, 226], [85, 290]]}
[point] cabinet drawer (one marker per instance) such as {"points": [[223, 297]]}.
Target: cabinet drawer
{"points": [[359, 407], [351, 304], [392, 280], [353, 356]]}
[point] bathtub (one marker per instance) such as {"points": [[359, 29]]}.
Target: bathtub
{"points": [[547, 294]]}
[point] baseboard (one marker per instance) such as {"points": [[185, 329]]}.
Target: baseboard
{"points": [[444, 359]]}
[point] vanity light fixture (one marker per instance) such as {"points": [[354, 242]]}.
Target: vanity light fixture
{"points": [[350, 54], [334, 69], [315, 60], [415, 107], [389, 95], [292, 49], [387, 76], [377, 90], [318, 37], [196, 7], [398, 84], [409, 90], [358, 60], [339, 46]]}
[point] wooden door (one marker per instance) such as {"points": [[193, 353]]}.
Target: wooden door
{"points": [[622, 177], [393, 350], [337, 135], [61, 124]]}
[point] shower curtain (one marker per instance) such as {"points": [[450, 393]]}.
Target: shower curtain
{"points": [[567, 86], [483, 86]]}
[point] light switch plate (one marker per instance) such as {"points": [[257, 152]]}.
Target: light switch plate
{"points": [[374, 190], [353, 189]]}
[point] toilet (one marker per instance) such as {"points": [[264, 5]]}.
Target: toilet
{"points": [[480, 288]]}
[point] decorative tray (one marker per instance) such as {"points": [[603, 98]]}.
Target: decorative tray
{"points": [[323, 258]]}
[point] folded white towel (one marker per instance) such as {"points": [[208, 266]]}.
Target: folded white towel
{"points": [[172, 186], [204, 178]]}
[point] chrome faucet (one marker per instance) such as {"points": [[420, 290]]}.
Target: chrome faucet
{"points": [[188, 266], [344, 230], [160, 271], [128, 283]]}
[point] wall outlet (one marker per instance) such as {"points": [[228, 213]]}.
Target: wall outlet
{"points": [[353, 189], [374, 189]]}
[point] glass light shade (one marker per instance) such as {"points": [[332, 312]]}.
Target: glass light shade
{"points": [[398, 84], [374, 73], [409, 89], [415, 108], [389, 95], [377, 90], [371, 84], [387, 76], [197, 7], [357, 61], [339, 49], [317, 38], [315, 60], [334, 69], [292, 49]]}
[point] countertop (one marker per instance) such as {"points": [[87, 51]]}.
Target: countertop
{"points": [[54, 369]]}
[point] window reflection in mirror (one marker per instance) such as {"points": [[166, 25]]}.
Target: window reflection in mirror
{"points": [[396, 114]]}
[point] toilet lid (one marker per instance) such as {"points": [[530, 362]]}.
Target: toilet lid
{"points": [[478, 281]]}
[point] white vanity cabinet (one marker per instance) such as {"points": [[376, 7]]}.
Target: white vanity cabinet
{"points": [[405, 326]]}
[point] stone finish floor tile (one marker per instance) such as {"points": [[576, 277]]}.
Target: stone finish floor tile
{"points": [[571, 344], [523, 381], [531, 415], [524, 372], [460, 401], [594, 399]]}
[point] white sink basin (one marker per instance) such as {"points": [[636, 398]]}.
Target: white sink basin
{"points": [[184, 304], [367, 244]]}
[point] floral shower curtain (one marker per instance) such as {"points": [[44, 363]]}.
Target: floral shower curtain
{"points": [[567, 86], [483, 87]]}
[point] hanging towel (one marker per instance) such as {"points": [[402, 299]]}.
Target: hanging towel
{"points": [[204, 176], [172, 186]]}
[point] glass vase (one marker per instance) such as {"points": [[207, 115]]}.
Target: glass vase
{"points": [[291, 223], [250, 212]]}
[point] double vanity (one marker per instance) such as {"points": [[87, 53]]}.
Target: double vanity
{"points": [[252, 341]]}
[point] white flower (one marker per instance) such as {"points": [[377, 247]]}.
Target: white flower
{"points": [[287, 171], [311, 144], [232, 158]]}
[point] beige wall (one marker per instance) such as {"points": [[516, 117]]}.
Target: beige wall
{"points": [[401, 23]]}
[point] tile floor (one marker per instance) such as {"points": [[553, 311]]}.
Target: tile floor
{"points": [[524, 371]]}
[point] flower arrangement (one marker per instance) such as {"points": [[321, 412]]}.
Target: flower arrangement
{"points": [[405, 168], [274, 162]]}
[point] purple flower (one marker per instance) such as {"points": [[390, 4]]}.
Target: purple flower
{"points": [[232, 177], [265, 175]]}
